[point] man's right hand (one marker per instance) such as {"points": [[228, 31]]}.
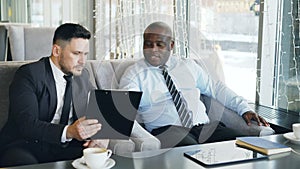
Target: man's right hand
{"points": [[83, 129]]}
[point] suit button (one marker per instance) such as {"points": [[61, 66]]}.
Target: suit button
{"points": [[36, 141]]}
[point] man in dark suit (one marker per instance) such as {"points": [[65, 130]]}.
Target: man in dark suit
{"points": [[35, 131]]}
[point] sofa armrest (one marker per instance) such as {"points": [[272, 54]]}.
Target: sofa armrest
{"points": [[216, 111], [120, 147], [140, 140], [143, 139], [232, 120]]}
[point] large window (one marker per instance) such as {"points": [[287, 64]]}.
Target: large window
{"points": [[288, 62], [231, 28], [280, 64], [200, 26]]}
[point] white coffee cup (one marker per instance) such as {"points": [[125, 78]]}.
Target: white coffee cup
{"points": [[296, 130], [96, 157]]}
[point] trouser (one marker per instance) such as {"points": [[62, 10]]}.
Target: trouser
{"points": [[173, 136], [25, 152]]}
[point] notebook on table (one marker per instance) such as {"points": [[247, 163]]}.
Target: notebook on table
{"points": [[261, 145], [116, 110]]}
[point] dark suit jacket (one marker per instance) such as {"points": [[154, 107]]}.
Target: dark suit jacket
{"points": [[33, 101]]}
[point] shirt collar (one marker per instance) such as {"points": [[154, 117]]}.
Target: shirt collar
{"points": [[57, 73], [170, 64]]}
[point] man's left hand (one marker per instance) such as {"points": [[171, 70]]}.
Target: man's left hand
{"points": [[250, 115]]}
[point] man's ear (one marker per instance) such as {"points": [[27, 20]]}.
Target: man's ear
{"points": [[56, 50], [172, 44]]}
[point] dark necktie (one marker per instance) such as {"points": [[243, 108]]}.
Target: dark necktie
{"points": [[64, 118], [180, 103]]}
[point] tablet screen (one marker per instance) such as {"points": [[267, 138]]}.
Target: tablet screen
{"points": [[221, 153]]}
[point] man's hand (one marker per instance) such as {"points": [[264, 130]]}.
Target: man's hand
{"points": [[83, 128], [250, 115], [97, 143]]}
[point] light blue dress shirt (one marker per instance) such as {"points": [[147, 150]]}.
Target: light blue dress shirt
{"points": [[157, 108]]}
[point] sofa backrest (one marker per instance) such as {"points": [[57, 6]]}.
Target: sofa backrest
{"points": [[30, 43], [3, 42], [7, 71], [108, 73], [104, 74], [4, 46]]}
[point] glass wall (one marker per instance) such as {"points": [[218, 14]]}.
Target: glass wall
{"points": [[288, 62], [278, 70]]}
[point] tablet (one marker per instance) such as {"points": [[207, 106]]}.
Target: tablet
{"points": [[222, 153], [116, 111]]}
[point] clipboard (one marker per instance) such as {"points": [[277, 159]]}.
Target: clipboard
{"points": [[116, 110]]}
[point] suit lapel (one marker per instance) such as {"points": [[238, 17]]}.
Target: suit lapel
{"points": [[50, 84]]}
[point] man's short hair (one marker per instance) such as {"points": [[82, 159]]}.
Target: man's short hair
{"points": [[67, 31]]}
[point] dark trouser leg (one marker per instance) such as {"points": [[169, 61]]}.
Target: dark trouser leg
{"points": [[71, 152], [173, 136], [17, 156], [23, 153], [213, 132]]}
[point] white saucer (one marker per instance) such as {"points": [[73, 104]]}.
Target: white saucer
{"points": [[290, 136], [80, 163]]}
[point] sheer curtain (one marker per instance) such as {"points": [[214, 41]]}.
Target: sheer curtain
{"points": [[120, 25]]}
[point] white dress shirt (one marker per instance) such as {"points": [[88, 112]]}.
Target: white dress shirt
{"points": [[157, 108], [60, 84]]}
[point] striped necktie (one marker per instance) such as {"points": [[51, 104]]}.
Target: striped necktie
{"points": [[180, 103]]}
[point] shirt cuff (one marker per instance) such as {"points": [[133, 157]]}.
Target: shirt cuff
{"points": [[64, 135]]}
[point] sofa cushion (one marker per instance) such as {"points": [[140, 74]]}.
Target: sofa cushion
{"points": [[108, 72], [38, 42], [104, 74], [212, 64], [30, 43], [16, 40], [120, 66], [3, 42], [7, 72]]}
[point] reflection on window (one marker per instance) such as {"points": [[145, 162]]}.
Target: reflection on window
{"points": [[279, 63], [288, 77]]}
